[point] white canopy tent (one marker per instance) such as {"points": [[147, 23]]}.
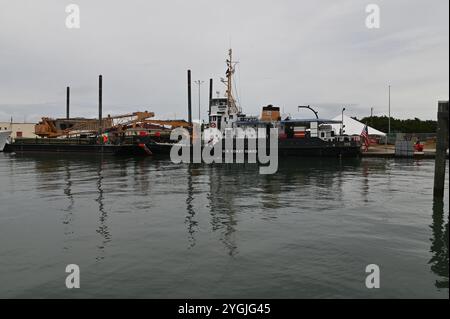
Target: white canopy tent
{"points": [[354, 127]]}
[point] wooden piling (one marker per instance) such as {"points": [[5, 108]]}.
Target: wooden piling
{"points": [[210, 96], [441, 150], [100, 106], [67, 102]]}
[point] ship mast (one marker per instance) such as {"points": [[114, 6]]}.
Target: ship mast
{"points": [[232, 108]]}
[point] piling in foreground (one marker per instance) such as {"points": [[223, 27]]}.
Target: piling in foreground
{"points": [[441, 150]]}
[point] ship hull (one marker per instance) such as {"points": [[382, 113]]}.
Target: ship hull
{"points": [[120, 150], [287, 147], [318, 147]]}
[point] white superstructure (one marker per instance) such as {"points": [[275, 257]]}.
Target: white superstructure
{"points": [[4, 135]]}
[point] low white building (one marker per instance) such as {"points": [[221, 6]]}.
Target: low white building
{"points": [[19, 129]]}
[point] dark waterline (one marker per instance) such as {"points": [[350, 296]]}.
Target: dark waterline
{"points": [[146, 228]]}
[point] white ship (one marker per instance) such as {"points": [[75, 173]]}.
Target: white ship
{"points": [[297, 136], [4, 135]]}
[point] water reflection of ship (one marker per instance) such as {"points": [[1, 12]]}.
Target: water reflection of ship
{"points": [[439, 245], [223, 209], [232, 186], [190, 221]]}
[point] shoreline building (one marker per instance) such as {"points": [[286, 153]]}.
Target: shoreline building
{"points": [[19, 129]]}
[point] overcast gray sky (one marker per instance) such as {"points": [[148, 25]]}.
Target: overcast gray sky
{"points": [[290, 53]]}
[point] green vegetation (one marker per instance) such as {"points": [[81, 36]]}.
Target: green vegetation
{"points": [[401, 126]]}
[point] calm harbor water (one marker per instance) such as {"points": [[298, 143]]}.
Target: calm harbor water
{"points": [[147, 228]]}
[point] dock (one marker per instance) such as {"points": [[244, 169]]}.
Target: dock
{"points": [[389, 152]]}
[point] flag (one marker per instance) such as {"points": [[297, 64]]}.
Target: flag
{"points": [[365, 137]]}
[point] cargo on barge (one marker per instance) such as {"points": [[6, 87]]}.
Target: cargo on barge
{"points": [[126, 134]]}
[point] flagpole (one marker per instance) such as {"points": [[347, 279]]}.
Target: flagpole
{"points": [[389, 131], [389, 116]]}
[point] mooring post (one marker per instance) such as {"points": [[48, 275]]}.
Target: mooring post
{"points": [[67, 102], [441, 149], [210, 96], [100, 104]]}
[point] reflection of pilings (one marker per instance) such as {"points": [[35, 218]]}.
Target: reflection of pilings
{"points": [[68, 188], [189, 220], [439, 245], [340, 180], [365, 186], [102, 228], [68, 216], [229, 239], [141, 180]]}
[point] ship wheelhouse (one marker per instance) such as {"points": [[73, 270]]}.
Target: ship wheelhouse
{"points": [[218, 112], [312, 128]]}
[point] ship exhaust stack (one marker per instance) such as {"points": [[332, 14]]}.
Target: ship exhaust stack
{"points": [[210, 95], [68, 102], [100, 84], [189, 97]]}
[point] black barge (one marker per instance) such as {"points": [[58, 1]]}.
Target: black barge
{"points": [[76, 145]]}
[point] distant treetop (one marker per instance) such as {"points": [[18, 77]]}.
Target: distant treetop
{"points": [[415, 125]]}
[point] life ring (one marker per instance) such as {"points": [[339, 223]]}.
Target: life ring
{"points": [[213, 125]]}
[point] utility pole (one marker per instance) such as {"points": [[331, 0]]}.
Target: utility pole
{"points": [[389, 120], [199, 83], [371, 115], [210, 98]]}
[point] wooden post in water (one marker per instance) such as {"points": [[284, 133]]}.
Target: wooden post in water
{"points": [[67, 102], [100, 116], [441, 150], [210, 96]]}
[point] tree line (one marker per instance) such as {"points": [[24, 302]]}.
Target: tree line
{"points": [[415, 125]]}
